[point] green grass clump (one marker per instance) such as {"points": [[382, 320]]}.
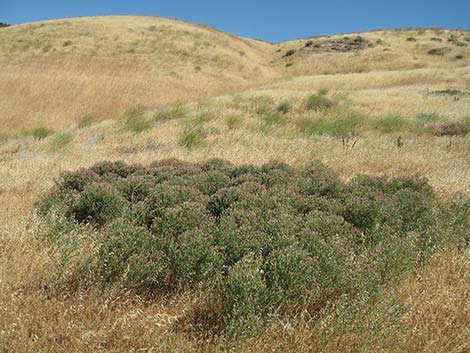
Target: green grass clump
{"points": [[322, 91], [274, 119], [86, 121], [260, 105], [411, 39], [135, 121], [284, 107], [390, 123], [60, 141], [460, 56], [193, 134], [342, 124], [430, 117], [465, 122], [318, 102], [192, 137], [262, 243], [41, 132], [233, 121]]}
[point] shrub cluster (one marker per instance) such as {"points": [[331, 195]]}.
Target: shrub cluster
{"points": [[263, 242]]}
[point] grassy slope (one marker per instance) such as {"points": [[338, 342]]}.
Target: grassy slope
{"points": [[72, 81], [53, 72]]}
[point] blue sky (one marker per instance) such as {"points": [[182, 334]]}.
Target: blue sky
{"points": [[264, 19]]}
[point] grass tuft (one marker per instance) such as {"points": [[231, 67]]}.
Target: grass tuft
{"points": [[41, 132], [60, 141], [390, 123], [233, 121], [135, 121], [86, 121]]}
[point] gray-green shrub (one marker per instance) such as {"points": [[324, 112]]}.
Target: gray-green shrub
{"points": [[261, 242]]}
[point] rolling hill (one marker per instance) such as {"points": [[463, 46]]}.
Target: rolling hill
{"points": [[54, 72]]}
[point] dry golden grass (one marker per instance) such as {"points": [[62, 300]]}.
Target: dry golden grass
{"points": [[54, 72], [37, 313]]}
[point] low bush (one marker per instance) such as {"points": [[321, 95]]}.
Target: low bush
{"points": [[284, 107], [41, 132], [261, 242], [318, 102], [439, 51]]}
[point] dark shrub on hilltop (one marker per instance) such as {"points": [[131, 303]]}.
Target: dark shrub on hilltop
{"points": [[262, 241]]}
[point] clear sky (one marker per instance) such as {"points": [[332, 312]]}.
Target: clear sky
{"points": [[270, 20]]}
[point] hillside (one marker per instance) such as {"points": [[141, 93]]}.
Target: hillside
{"points": [[54, 72], [238, 145]]}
